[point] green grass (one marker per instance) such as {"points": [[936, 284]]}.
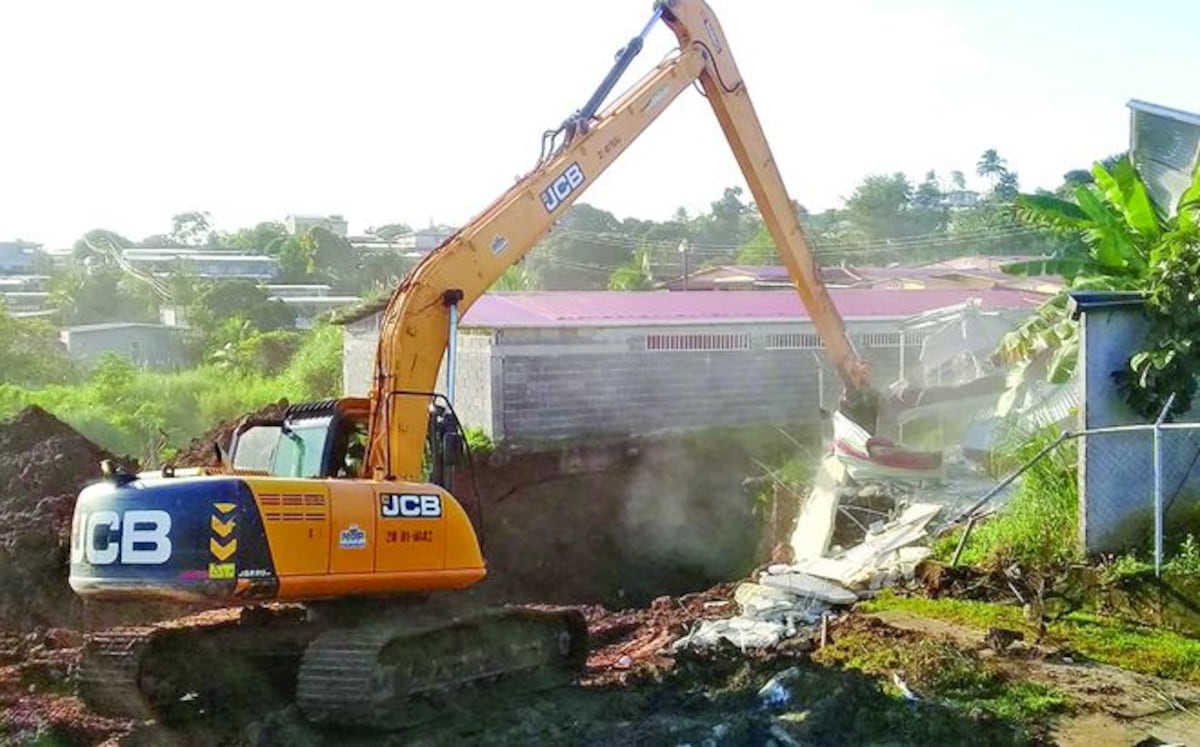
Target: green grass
{"points": [[1138, 648], [939, 672], [1038, 527], [145, 413]]}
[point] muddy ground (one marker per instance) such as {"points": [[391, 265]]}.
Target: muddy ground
{"points": [[635, 688]]}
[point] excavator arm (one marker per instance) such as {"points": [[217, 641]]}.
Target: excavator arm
{"points": [[416, 323]]}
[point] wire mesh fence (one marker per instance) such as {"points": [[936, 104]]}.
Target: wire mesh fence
{"points": [[1139, 487]]}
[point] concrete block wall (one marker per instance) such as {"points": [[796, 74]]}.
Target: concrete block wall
{"points": [[532, 386], [1116, 470]]}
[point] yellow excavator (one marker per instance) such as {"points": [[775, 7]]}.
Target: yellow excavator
{"points": [[345, 507]]}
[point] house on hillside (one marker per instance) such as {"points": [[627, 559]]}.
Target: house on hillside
{"points": [[18, 257], [538, 368], [297, 225], [974, 272], [151, 346], [202, 263]]}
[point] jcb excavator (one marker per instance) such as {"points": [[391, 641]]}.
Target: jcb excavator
{"points": [[331, 505]]}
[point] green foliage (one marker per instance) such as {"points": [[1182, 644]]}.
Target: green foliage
{"points": [[30, 352], [264, 238], [146, 414], [101, 292], [479, 442], [1139, 648], [636, 274], [1038, 527], [1170, 361], [1115, 238], [940, 670], [759, 250], [517, 278], [316, 370], [228, 311]]}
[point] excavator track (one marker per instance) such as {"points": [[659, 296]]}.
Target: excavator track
{"points": [[393, 676], [401, 669], [108, 673], [194, 666]]}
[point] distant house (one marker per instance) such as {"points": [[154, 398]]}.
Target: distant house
{"points": [[981, 272], [202, 263], [154, 346], [1164, 144], [301, 224], [414, 244], [960, 199], [539, 367], [18, 256]]}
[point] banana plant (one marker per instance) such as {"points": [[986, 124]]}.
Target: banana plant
{"points": [[1114, 237]]}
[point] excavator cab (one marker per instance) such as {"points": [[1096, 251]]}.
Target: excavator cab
{"points": [[311, 440], [329, 439]]}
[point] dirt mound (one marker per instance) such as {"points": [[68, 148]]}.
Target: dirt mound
{"points": [[43, 465], [200, 452]]}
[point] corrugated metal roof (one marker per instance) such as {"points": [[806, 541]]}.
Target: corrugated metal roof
{"points": [[609, 308]]}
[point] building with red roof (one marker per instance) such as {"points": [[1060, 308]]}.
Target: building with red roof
{"points": [[551, 366]]}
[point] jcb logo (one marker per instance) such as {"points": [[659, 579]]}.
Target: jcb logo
{"points": [[131, 538], [562, 187], [401, 506]]}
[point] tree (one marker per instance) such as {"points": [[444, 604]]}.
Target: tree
{"points": [[190, 228], [263, 238], [585, 250], [636, 274], [99, 292], [958, 180], [231, 309], [1007, 186], [929, 192], [100, 238], [31, 354], [760, 250], [517, 278], [991, 166]]}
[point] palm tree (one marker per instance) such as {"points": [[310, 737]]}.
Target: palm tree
{"points": [[991, 166]]}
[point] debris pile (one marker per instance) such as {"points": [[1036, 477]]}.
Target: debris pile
{"points": [[788, 600]]}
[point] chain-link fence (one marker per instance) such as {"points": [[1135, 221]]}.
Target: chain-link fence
{"points": [[1139, 487]]}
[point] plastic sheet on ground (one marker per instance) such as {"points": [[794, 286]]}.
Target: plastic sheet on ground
{"points": [[743, 632]]}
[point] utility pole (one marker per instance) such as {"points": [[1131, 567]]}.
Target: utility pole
{"points": [[684, 248]]}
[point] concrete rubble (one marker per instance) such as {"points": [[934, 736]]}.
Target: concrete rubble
{"points": [[790, 599]]}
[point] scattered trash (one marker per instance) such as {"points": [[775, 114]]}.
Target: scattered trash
{"points": [[776, 692], [901, 685], [625, 662]]}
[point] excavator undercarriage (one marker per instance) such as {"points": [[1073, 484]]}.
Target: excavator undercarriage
{"points": [[395, 669]]}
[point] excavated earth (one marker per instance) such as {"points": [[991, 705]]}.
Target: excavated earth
{"points": [[635, 689]]}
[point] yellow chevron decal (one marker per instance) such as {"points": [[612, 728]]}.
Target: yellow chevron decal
{"points": [[222, 552], [222, 528], [225, 507]]}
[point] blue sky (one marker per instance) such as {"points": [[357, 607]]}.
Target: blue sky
{"points": [[120, 114]]}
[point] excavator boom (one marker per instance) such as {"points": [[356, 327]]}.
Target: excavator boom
{"points": [[414, 332]]}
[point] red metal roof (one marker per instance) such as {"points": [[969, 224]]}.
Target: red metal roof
{"points": [[609, 308]]}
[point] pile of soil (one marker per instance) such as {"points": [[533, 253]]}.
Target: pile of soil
{"points": [[44, 463], [200, 452]]}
